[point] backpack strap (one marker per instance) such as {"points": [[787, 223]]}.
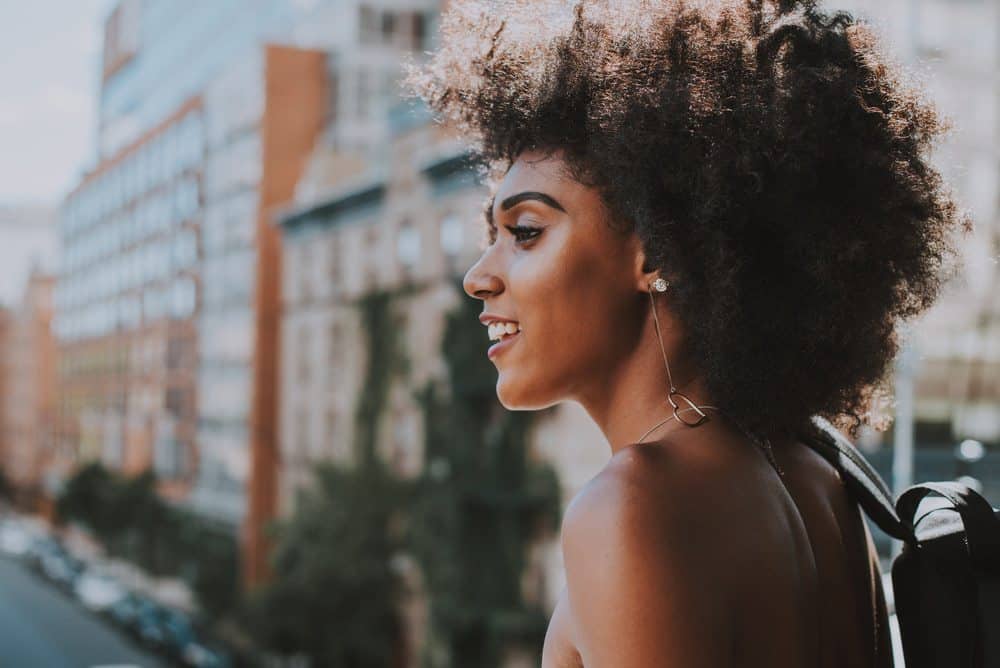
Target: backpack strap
{"points": [[982, 528], [859, 476], [982, 541]]}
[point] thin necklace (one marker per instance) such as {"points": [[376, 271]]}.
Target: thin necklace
{"points": [[768, 452], [668, 418]]}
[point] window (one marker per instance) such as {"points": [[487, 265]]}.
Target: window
{"points": [[371, 250], [304, 270], [408, 247], [333, 261], [451, 235], [419, 30], [367, 24], [304, 356], [335, 341], [303, 441], [388, 26], [182, 298], [363, 92], [330, 428]]}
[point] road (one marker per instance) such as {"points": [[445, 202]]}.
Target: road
{"points": [[40, 627]]}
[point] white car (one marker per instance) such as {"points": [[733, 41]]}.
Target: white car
{"points": [[98, 591], [15, 540]]}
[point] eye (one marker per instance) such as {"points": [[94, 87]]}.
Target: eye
{"points": [[524, 233]]}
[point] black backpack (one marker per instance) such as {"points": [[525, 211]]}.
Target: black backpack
{"points": [[946, 579]]}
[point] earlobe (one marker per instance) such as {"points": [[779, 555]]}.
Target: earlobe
{"points": [[645, 273]]}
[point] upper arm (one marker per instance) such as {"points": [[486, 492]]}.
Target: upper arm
{"points": [[640, 587]]}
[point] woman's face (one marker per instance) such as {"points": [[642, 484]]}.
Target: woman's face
{"points": [[571, 282]]}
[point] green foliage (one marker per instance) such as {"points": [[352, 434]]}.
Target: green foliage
{"points": [[477, 507], [87, 497], [385, 361], [132, 522], [334, 594], [206, 555]]}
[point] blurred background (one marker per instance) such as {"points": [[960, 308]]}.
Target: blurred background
{"points": [[246, 416]]}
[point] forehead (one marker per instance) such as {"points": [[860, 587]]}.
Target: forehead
{"points": [[534, 169]]}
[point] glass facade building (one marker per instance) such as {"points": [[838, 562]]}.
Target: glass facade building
{"points": [[141, 234], [168, 296]]}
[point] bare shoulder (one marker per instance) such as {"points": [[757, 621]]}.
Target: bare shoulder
{"points": [[639, 577], [674, 487], [638, 488]]}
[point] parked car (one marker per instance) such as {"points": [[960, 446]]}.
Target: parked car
{"points": [[200, 653], [98, 591], [187, 641], [15, 539], [124, 611], [137, 615], [168, 632], [150, 625], [39, 549], [61, 568]]}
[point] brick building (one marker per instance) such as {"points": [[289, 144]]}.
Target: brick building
{"points": [[28, 390]]}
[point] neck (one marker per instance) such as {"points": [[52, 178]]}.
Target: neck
{"points": [[627, 402]]}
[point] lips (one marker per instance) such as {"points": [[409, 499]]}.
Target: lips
{"points": [[502, 345]]}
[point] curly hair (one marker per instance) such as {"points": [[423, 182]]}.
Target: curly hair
{"points": [[772, 160]]}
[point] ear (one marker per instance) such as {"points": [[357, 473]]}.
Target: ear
{"points": [[643, 274]]}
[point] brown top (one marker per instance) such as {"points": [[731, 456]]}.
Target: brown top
{"points": [[795, 556]]}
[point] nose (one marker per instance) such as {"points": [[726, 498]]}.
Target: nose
{"points": [[479, 281]]}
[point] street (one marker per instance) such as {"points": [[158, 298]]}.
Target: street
{"points": [[41, 627]]}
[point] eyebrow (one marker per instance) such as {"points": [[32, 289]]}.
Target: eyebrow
{"points": [[514, 200]]}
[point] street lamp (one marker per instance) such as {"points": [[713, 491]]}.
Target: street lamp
{"points": [[967, 453]]}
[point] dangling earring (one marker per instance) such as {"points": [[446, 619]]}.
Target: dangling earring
{"points": [[660, 285]]}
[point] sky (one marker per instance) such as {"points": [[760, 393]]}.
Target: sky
{"points": [[48, 93], [48, 78]]}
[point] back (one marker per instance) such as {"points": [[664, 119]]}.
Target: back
{"points": [[848, 619], [799, 561], [794, 556]]}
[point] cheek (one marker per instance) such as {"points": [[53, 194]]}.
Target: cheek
{"points": [[575, 313]]}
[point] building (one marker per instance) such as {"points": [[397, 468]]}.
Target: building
{"points": [[276, 115], [28, 390], [29, 242], [127, 298], [128, 290], [168, 294], [167, 290], [263, 118], [359, 239]]}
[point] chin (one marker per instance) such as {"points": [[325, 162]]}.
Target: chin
{"points": [[516, 396]]}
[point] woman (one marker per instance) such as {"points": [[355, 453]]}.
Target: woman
{"points": [[706, 222]]}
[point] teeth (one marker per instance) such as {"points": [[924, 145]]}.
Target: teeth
{"points": [[498, 330]]}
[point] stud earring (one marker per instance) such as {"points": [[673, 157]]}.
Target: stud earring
{"points": [[660, 285]]}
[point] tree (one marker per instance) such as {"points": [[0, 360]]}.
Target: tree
{"points": [[334, 595], [131, 520], [88, 497]]}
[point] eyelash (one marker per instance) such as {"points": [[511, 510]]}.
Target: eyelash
{"points": [[519, 232]]}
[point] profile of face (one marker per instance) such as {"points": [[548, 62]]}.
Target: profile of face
{"points": [[572, 283]]}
